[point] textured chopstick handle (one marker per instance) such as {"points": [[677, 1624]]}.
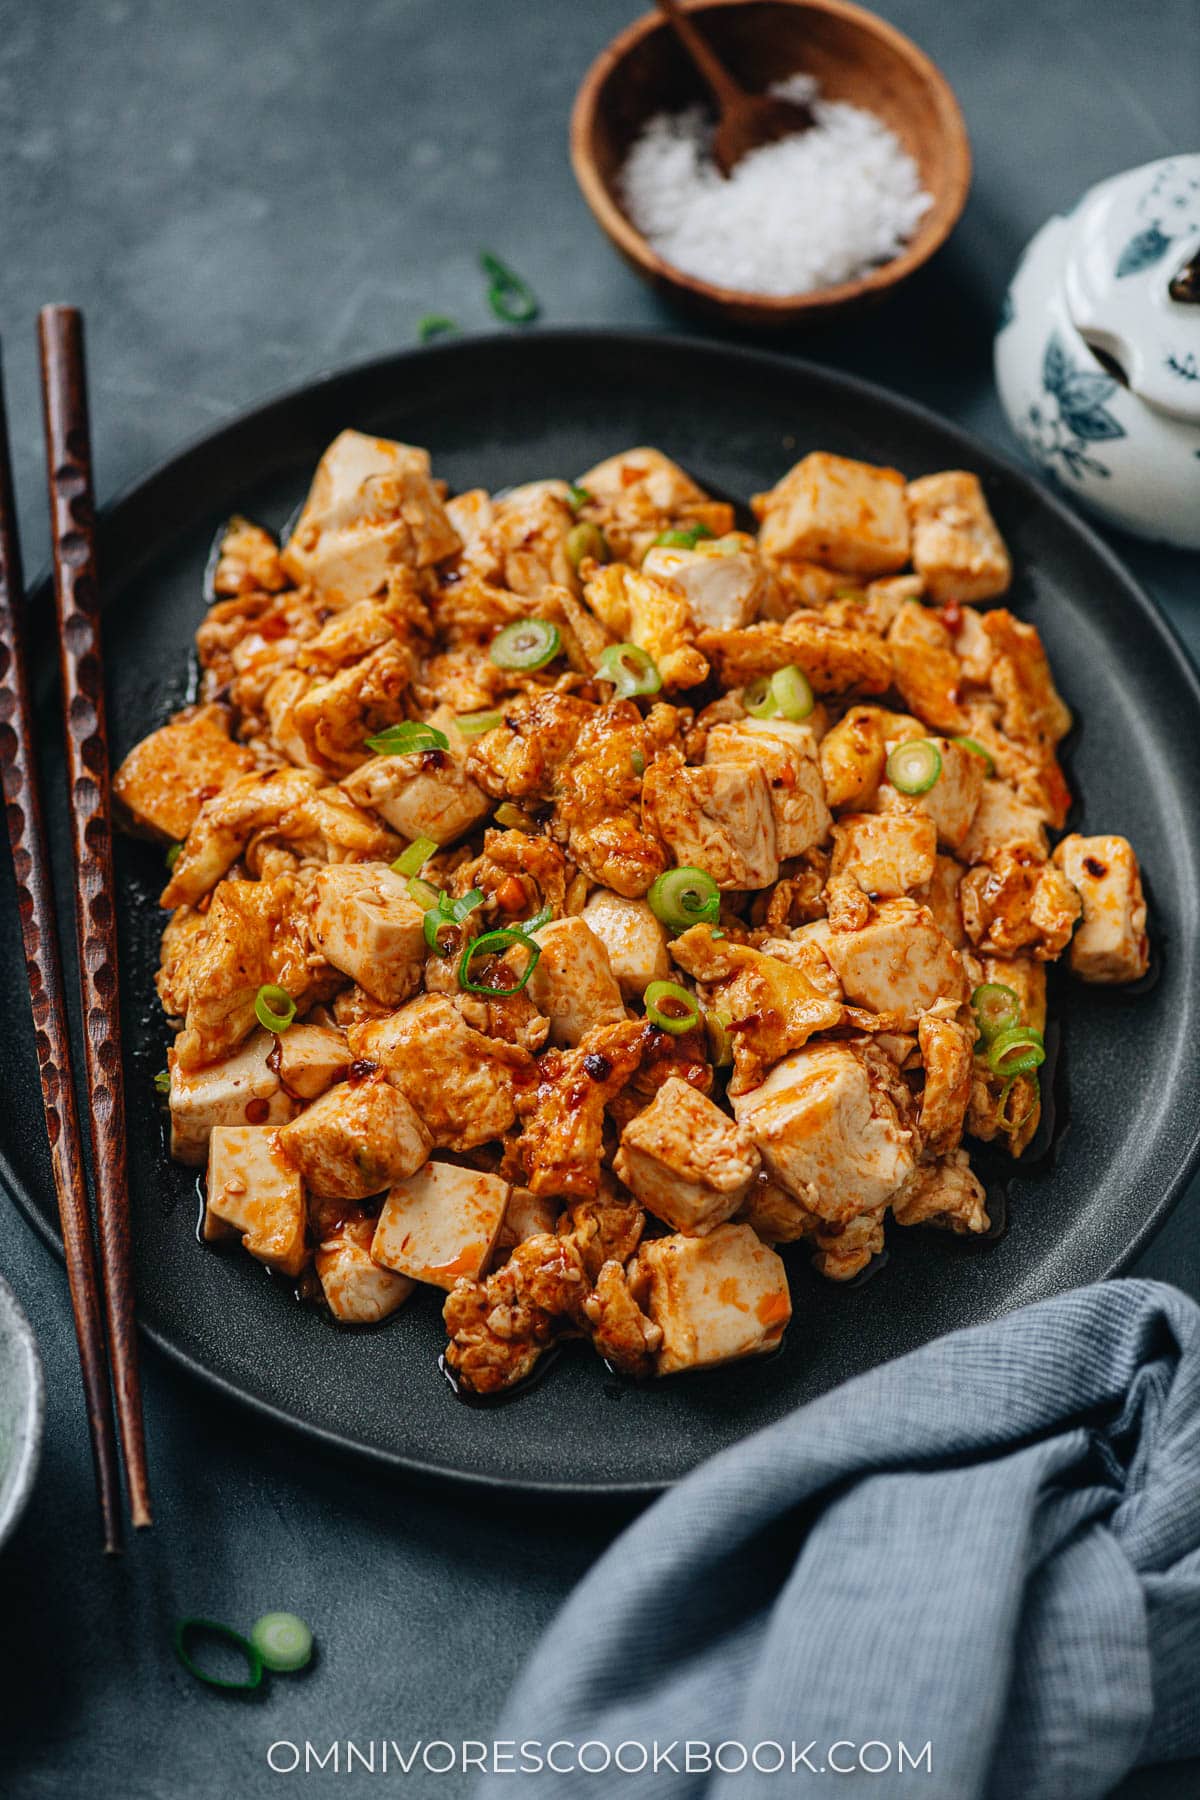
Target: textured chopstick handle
{"points": [[77, 594], [39, 934]]}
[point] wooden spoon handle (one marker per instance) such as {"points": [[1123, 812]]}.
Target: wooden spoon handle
{"points": [[726, 90]]}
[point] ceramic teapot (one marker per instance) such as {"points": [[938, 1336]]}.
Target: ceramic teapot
{"points": [[1098, 351]]}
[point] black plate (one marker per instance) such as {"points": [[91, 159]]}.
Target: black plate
{"points": [[509, 409]]}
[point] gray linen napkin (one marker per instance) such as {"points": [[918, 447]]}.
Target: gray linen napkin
{"points": [[991, 1547]]}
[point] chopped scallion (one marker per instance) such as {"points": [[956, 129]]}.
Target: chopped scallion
{"points": [[413, 860], [1016, 1052], [274, 1008], [283, 1641], [976, 749], [997, 1009], [914, 766], [492, 943], [174, 852], [162, 1082], [585, 539], [684, 537], [671, 1007], [630, 669], [526, 644], [188, 1629], [409, 735], [578, 495], [683, 897], [510, 298], [435, 325], [473, 725]]}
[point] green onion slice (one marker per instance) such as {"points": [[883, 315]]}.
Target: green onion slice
{"points": [[976, 749], [274, 1008], [526, 644], [189, 1628], [441, 911], [637, 762], [491, 944], [685, 896], [435, 325], [759, 698], [793, 692], [997, 1008], [162, 1082], [399, 740], [413, 860], [720, 1044], [473, 725], [630, 670], [913, 767], [1016, 1052], [1003, 1109], [684, 537], [174, 851], [671, 1007], [511, 818], [284, 1642], [578, 495], [424, 893], [542, 917], [510, 298], [586, 539]]}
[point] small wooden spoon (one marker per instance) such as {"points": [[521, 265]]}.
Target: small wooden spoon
{"points": [[747, 121]]}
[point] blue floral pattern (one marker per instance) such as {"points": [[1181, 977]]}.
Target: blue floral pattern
{"points": [[1059, 430], [1171, 208]]}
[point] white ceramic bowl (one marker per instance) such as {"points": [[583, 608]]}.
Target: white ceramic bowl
{"points": [[21, 1407], [1098, 280]]}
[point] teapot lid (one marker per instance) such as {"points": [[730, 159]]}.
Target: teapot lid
{"points": [[1133, 279]]}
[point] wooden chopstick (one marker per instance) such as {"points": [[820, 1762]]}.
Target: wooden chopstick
{"points": [[43, 966], [77, 594]]}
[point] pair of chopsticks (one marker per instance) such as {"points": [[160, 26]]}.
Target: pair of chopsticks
{"points": [[101, 1289]]}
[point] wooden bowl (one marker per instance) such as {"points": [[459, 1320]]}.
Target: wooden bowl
{"points": [[853, 55]]}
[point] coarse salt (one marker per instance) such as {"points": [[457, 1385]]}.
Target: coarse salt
{"points": [[807, 212]]}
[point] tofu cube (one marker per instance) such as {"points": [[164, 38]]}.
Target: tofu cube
{"points": [[828, 1134], [372, 505], [463, 1082], [786, 752], [955, 544], [1110, 944], [718, 818], [953, 799], [358, 1290], [687, 1161], [165, 780], [254, 1189], [899, 963], [888, 854], [846, 515], [425, 793], [356, 1140], [661, 482], [635, 940], [942, 895], [239, 1090], [441, 1224], [1002, 821], [573, 983], [527, 1215], [310, 1059], [366, 925], [723, 586], [714, 1298]]}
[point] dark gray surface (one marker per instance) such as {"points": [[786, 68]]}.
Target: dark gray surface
{"points": [[241, 196]]}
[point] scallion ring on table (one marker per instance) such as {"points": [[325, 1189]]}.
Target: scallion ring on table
{"points": [[283, 1641], [473, 725], [526, 644], [684, 1008], [435, 325], [683, 897], [211, 1628], [1016, 1052], [585, 539], [914, 766], [976, 749], [162, 1082], [630, 669], [510, 298], [997, 1009], [413, 860], [684, 537], [409, 735], [274, 1008], [493, 943]]}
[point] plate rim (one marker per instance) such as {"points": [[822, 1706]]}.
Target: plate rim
{"points": [[422, 1473]]}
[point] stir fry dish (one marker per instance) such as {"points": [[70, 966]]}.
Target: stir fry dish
{"points": [[573, 898]]}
